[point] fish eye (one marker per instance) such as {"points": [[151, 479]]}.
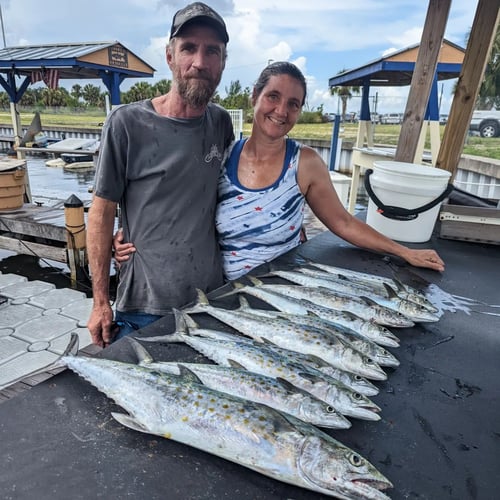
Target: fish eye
{"points": [[369, 361], [357, 395], [355, 459], [330, 409]]}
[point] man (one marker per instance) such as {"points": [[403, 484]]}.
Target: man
{"points": [[160, 160]]}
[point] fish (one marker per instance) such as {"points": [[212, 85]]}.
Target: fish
{"points": [[294, 336], [367, 347], [352, 381], [259, 358], [250, 434], [275, 392], [363, 307], [404, 290], [391, 300], [368, 329]]}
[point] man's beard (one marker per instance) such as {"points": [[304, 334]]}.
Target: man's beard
{"points": [[196, 92]]}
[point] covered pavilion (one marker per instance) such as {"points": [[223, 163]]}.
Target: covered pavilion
{"points": [[396, 70], [111, 62]]}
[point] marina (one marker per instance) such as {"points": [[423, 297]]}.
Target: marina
{"points": [[439, 407], [118, 430]]}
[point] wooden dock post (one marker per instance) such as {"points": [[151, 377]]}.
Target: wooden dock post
{"points": [[76, 236]]}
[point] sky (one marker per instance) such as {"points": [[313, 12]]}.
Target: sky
{"points": [[322, 37]]}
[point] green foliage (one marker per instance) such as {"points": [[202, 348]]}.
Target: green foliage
{"points": [[236, 97], [311, 117]]}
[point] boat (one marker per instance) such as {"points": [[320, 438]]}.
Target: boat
{"points": [[77, 157], [80, 155]]}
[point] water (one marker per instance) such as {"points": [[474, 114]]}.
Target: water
{"points": [[49, 186], [52, 184]]}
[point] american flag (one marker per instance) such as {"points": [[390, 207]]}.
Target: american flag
{"points": [[49, 76]]}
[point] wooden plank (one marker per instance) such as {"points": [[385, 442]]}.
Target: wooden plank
{"points": [[29, 248], [469, 82], [422, 79]]}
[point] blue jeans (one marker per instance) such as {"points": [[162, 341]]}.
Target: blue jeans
{"points": [[130, 322]]}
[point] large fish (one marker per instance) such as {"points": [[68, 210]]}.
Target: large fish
{"points": [[364, 307], [250, 434], [369, 348], [294, 336], [391, 300], [258, 358], [275, 392], [372, 331]]}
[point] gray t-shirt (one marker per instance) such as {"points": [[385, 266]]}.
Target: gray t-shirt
{"points": [[163, 172]]}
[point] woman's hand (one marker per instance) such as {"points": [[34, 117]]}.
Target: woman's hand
{"points": [[122, 251], [424, 258]]}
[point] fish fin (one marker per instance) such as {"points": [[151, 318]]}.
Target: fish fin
{"points": [[188, 374], [143, 356], [200, 304], [289, 386], [368, 300], [266, 342], [130, 422], [391, 293], [244, 304], [255, 281], [399, 284], [235, 364], [189, 322], [73, 344]]}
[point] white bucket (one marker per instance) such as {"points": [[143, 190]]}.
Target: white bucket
{"points": [[406, 186]]}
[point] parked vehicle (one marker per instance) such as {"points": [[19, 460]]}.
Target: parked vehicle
{"points": [[392, 118], [443, 119], [487, 123]]}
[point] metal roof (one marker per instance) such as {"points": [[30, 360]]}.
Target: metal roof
{"points": [[73, 60], [396, 70]]}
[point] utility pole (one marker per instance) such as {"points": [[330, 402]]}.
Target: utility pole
{"points": [[3, 30]]}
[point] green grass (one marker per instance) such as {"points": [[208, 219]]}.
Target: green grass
{"points": [[383, 134]]}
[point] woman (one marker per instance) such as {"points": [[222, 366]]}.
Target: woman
{"points": [[268, 178]]}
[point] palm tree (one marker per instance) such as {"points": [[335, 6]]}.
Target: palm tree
{"points": [[489, 93], [344, 93]]}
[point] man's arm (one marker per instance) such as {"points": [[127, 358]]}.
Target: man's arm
{"points": [[100, 227]]}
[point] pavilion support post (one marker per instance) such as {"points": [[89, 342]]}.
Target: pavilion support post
{"points": [[422, 79], [76, 237], [471, 76], [21, 155]]}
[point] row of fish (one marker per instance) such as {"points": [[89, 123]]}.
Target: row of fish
{"points": [[175, 401], [311, 362]]}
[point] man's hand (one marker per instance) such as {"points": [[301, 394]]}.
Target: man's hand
{"points": [[101, 326]]}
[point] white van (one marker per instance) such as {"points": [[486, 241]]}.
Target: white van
{"points": [[392, 118]]}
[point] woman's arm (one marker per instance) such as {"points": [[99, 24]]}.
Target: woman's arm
{"points": [[315, 184]]}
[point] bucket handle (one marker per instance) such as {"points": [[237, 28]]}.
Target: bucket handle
{"points": [[398, 213]]}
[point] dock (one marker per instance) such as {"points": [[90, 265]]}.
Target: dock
{"points": [[36, 323], [56, 233]]}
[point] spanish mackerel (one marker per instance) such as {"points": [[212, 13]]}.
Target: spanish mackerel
{"points": [[377, 282], [369, 348], [259, 358], [250, 434], [391, 301], [186, 324], [372, 331], [274, 392], [301, 338]]}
